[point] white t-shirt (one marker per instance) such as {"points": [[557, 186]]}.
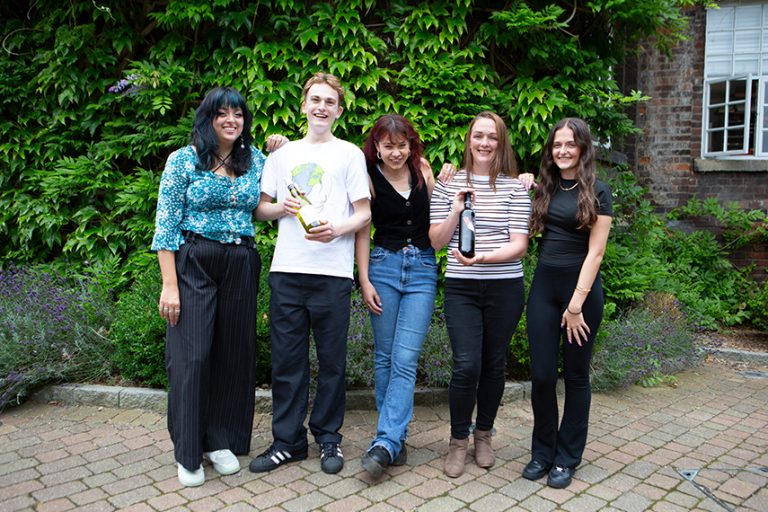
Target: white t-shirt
{"points": [[497, 215], [333, 176]]}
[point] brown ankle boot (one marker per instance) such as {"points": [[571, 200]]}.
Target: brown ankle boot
{"points": [[484, 456], [456, 458]]}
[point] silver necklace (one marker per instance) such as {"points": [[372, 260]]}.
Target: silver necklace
{"points": [[560, 184]]}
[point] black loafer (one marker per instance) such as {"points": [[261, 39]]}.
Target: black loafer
{"points": [[375, 461], [560, 477], [535, 470], [402, 457]]}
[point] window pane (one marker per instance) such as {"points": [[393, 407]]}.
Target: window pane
{"points": [[718, 66], [746, 64], [747, 41], [720, 43], [720, 19], [738, 90], [716, 117], [735, 139], [736, 116], [716, 141], [749, 16], [717, 93]]}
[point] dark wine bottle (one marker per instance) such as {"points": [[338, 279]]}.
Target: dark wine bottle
{"points": [[467, 228]]}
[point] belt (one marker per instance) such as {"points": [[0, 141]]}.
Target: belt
{"points": [[247, 241]]}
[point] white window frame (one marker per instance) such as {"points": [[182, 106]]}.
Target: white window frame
{"points": [[728, 127], [732, 56]]}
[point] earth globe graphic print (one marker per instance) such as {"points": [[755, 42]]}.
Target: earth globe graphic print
{"points": [[306, 176]]}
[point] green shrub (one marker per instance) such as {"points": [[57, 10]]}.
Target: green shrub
{"points": [[138, 331], [52, 329], [644, 345]]}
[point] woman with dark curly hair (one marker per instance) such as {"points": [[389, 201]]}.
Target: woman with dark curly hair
{"points": [[572, 212]]}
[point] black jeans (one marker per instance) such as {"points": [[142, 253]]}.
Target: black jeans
{"points": [[300, 302], [551, 291], [481, 316]]}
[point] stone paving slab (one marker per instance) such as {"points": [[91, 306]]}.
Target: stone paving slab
{"points": [[713, 425]]}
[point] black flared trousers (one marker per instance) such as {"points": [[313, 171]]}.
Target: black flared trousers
{"points": [[210, 353], [550, 294]]}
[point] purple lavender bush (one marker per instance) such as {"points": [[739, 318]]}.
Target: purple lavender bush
{"points": [[52, 329], [645, 345]]}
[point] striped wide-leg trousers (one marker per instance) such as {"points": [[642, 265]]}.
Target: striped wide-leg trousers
{"points": [[210, 353]]}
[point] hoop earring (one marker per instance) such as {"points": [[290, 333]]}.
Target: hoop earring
{"points": [[378, 155]]}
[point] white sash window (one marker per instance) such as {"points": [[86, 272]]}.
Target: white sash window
{"points": [[735, 75]]}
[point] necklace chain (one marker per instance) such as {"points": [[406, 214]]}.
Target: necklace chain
{"points": [[564, 189]]}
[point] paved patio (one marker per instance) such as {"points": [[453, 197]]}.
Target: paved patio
{"points": [[713, 426]]}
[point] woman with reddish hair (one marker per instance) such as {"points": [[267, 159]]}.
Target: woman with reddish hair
{"points": [[398, 278]]}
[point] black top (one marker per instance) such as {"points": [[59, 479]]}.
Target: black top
{"points": [[562, 243], [398, 221]]}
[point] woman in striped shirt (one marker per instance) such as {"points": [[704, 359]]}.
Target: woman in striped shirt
{"points": [[483, 294]]}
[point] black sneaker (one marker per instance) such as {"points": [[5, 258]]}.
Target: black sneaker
{"points": [[331, 458], [273, 458]]}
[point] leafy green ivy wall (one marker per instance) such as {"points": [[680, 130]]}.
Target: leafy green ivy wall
{"points": [[95, 94]]}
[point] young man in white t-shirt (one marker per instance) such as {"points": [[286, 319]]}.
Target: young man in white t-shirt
{"points": [[311, 277]]}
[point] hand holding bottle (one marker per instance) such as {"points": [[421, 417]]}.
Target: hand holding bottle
{"points": [[291, 206], [324, 232]]}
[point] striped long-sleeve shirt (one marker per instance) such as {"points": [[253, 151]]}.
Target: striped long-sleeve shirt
{"points": [[497, 215]]}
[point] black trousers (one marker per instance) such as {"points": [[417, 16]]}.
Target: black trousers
{"points": [[481, 316], [551, 291], [210, 353], [298, 303]]}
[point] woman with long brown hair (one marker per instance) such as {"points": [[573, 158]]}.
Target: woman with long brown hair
{"points": [[572, 212], [483, 293]]}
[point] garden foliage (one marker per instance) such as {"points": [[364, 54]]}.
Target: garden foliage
{"points": [[95, 95], [52, 328]]}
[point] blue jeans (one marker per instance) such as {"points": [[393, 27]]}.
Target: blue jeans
{"points": [[405, 282]]}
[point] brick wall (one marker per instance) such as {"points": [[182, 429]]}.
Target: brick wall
{"points": [[666, 155]]}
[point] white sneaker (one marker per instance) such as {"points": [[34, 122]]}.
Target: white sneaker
{"points": [[224, 461], [191, 478]]}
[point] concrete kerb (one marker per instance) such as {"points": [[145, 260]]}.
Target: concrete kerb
{"points": [[739, 356], [156, 399]]}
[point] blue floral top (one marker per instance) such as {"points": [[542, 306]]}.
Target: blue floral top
{"points": [[213, 206]]}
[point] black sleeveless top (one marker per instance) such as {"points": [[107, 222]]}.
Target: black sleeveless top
{"points": [[398, 221]]}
